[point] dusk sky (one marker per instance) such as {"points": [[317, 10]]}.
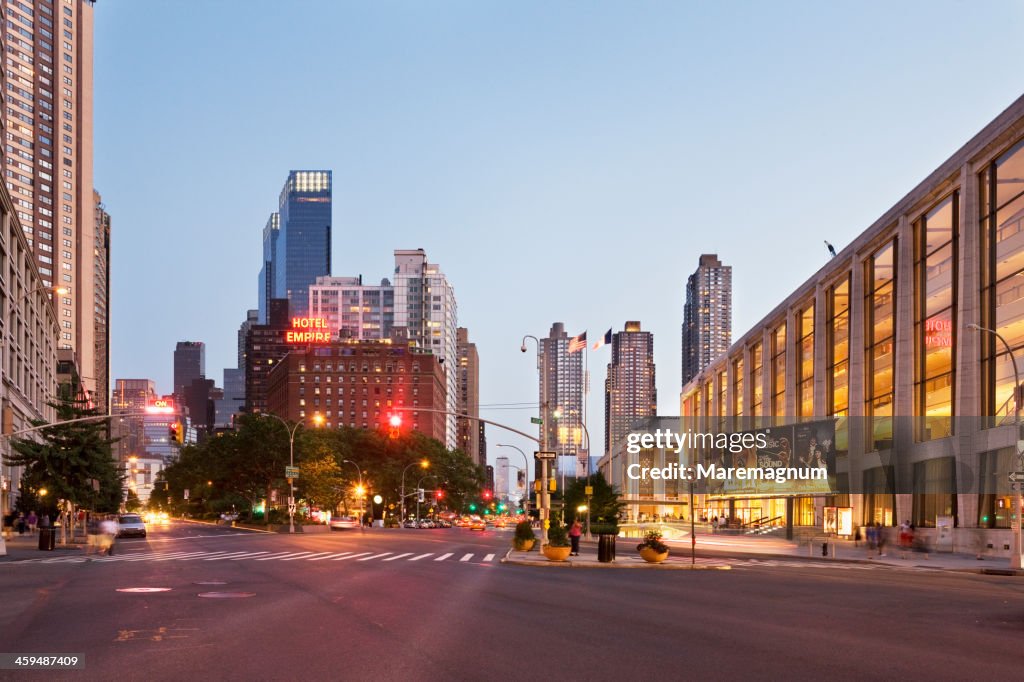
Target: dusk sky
{"points": [[561, 161]]}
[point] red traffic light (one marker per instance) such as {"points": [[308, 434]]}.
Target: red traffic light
{"points": [[487, 494], [439, 495], [395, 420]]}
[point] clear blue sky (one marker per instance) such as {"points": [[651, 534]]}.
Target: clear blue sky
{"points": [[561, 161]]}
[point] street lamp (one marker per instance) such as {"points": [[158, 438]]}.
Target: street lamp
{"points": [[1015, 558], [317, 419], [360, 491], [425, 464]]}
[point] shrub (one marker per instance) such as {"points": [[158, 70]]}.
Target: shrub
{"points": [[557, 537], [604, 529], [652, 540], [524, 532]]}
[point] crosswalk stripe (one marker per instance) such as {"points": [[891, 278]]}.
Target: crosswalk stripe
{"points": [[443, 557], [205, 556], [275, 556], [346, 558], [226, 556], [249, 555], [318, 554], [421, 556], [158, 557], [489, 557], [398, 556], [330, 555], [300, 555], [466, 558], [375, 556]]}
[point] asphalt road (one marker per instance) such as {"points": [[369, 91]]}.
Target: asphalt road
{"points": [[438, 605]]}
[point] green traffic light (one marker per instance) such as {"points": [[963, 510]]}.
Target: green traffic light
{"points": [[472, 507]]}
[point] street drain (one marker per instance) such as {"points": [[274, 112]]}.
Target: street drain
{"points": [[143, 590], [227, 595]]}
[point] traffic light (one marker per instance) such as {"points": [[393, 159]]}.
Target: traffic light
{"points": [[395, 424], [487, 494], [472, 507], [174, 434], [439, 495], [552, 485], [501, 507], [419, 494]]}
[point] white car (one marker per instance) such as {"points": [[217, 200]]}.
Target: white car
{"points": [[344, 523], [130, 525]]}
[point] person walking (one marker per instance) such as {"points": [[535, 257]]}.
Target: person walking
{"points": [[574, 536], [21, 523], [32, 521]]}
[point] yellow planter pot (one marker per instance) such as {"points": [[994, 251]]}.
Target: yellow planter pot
{"points": [[556, 553], [523, 545], [651, 556]]}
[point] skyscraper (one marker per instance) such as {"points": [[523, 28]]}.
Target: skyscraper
{"points": [[303, 245], [501, 478], [469, 397], [630, 392], [251, 318], [354, 310], [425, 308], [130, 397], [101, 298], [707, 315], [561, 400], [267, 280], [49, 164], [189, 364]]}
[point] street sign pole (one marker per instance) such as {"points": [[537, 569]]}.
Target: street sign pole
{"points": [[545, 496]]}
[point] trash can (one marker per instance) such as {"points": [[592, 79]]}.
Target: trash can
{"points": [[47, 539], [606, 548]]}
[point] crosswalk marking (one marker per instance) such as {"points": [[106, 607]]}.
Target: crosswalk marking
{"points": [[330, 555], [193, 558], [466, 558], [489, 557], [398, 556], [279, 555], [226, 556], [250, 555], [302, 555], [346, 558], [443, 557], [375, 556], [421, 556]]}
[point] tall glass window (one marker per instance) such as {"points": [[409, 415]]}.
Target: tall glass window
{"points": [[994, 499], [934, 483], [757, 385], [805, 347], [879, 334], [737, 391], [837, 314], [1002, 267], [879, 495], [723, 405], [779, 373], [934, 320]]}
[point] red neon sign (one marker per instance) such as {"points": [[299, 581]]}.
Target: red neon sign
{"points": [[308, 330]]}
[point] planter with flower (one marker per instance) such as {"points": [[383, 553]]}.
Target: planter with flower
{"points": [[652, 549], [558, 546], [524, 537]]}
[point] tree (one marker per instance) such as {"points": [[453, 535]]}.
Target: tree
{"points": [[73, 461], [322, 482], [604, 504], [132, 502]]}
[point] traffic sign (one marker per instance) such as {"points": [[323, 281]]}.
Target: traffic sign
{"points": [[536, 420], [545, 454], [291, 472], [588, 490], [1016, 476]]}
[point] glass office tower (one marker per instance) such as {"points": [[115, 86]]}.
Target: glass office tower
{"points": [[303, 248]]}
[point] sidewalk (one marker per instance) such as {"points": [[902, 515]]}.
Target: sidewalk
{"points": [[624, 559], [20, 547]]}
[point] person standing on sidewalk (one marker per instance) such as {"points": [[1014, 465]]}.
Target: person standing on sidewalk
{"points": [[32, 521], [574, 536]]}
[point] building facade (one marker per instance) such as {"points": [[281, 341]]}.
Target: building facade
{"points": [[469, 430], [630, 392], [29, 334], [265, 346], [48, 163], [352, 309], [267, 277], [189, 364], [360, 385], [562, 401], [302, 251], [707, 315], [101, 304], [425, 307], [895, 341], [130, 396], [501, 489]]}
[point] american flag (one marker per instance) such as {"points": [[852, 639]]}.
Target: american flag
{"points": [[578, 343]]}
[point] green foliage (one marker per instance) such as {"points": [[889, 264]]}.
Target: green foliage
{"points": [[524, 531], [132, 502], [604, 504], [557, 535], [74, 462], [604, 529], [652, 540], [322, 482]]}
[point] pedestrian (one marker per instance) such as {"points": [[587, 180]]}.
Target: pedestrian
{"points": [[574, 536], [93, 535], [21, 523], [856, 536], [108, 530], [32, 521], [714, 524], [905, 538], [881, 540], [872, 538]]}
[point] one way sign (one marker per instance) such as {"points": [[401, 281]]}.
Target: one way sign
{"points": [[1016, 476]]}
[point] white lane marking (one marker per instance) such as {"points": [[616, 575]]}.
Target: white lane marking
{"points": [[375, 556], [421, 556], [466, 558], [314, 556], [346, 558], [163, 557], [226, 556], [249, 555], [489, 557], [330, 555], [204, 556], [300, 555], [443, 557], [398, 556], [275, 556]]}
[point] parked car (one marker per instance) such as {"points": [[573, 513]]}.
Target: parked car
{"points": [[344, 523], [411, 523], [444, 523], [477, 524], [130, 525]]}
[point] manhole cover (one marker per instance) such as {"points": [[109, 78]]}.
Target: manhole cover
{"points": [[210, 582], [227, 595], [143, 589]]}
